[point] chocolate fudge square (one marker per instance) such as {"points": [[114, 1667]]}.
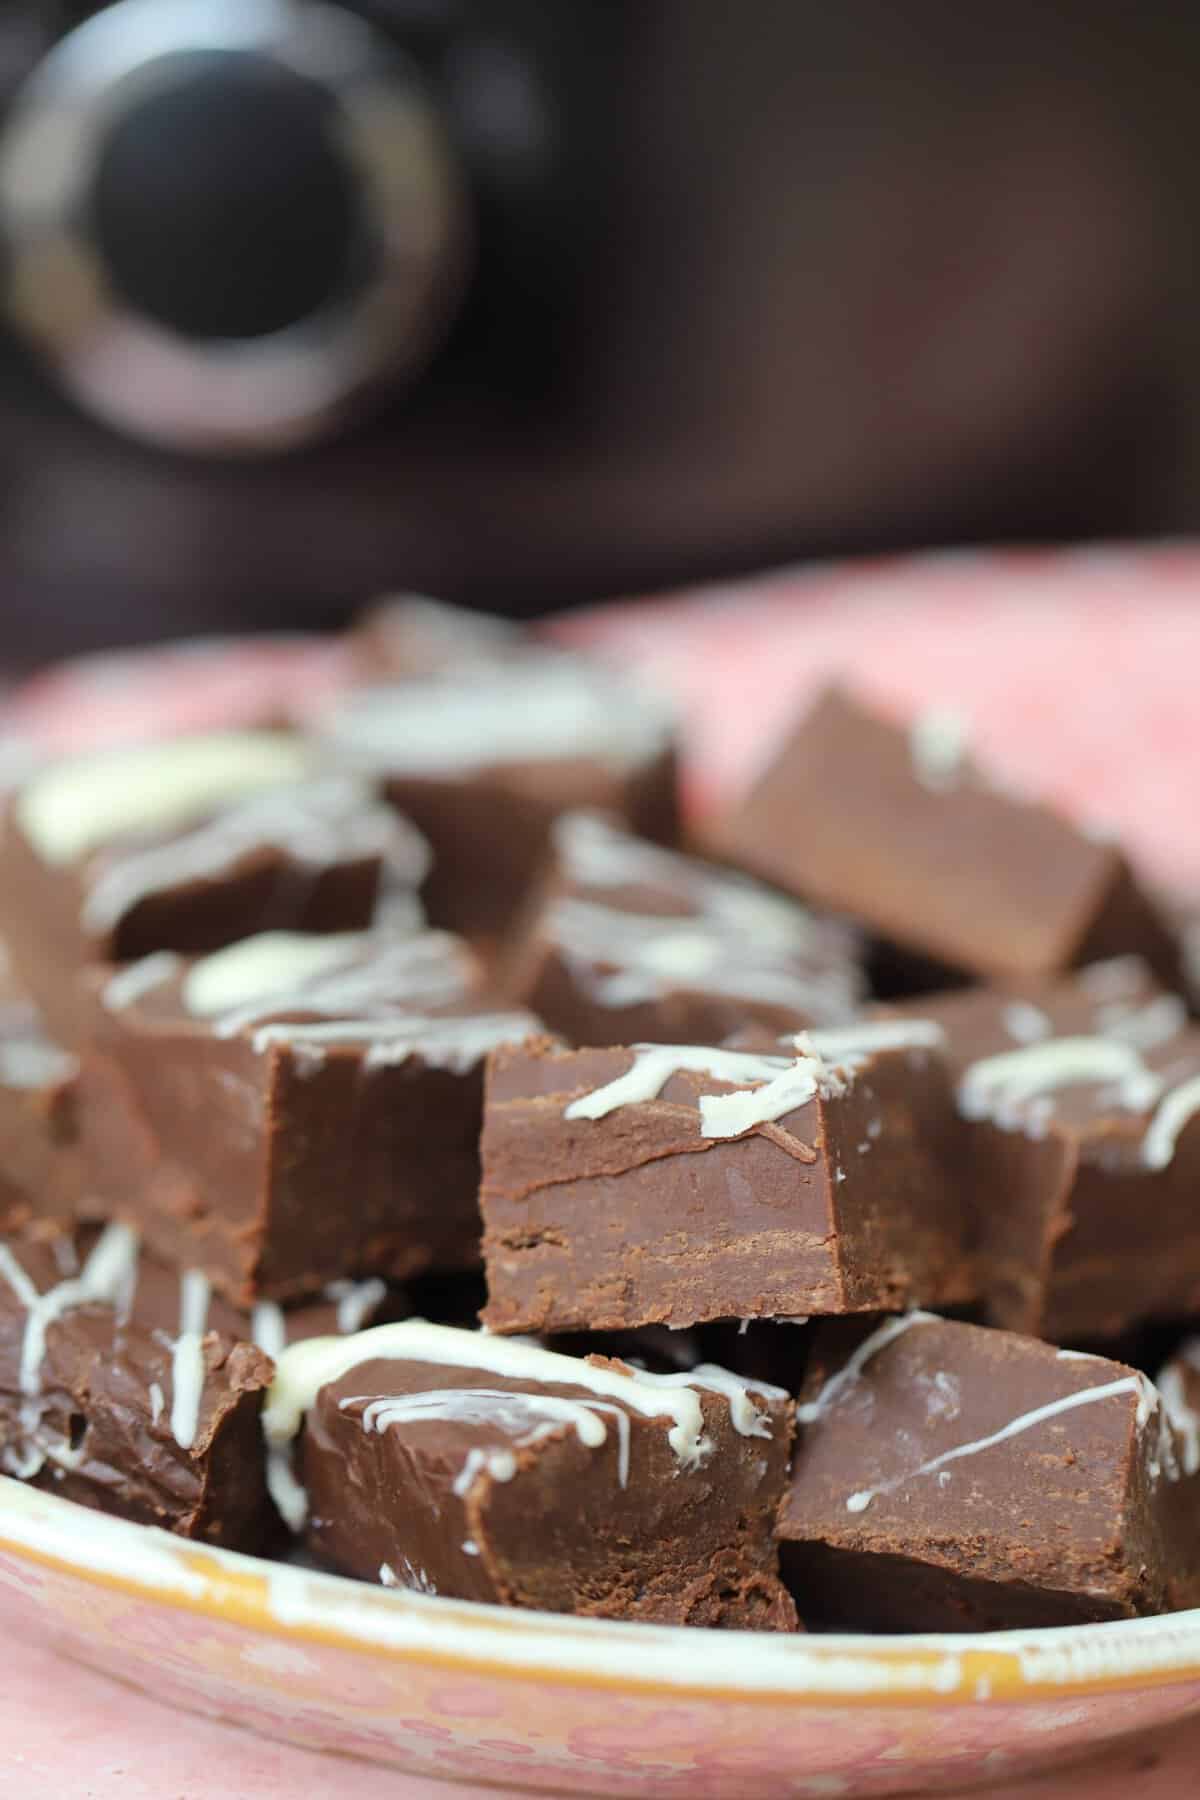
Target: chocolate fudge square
{"points": [[187, 845], [146, 1397], [294, 1106], [104, 1407], [674, 1184], [629, 943], [1082, 1149], [483, 757], [460, 1464], [904, 832], [953, 1478]]}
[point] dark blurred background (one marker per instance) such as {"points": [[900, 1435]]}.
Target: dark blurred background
{"points": [[526, 304]]}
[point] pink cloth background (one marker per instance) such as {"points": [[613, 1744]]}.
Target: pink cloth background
{"points": [[1081, 675]]}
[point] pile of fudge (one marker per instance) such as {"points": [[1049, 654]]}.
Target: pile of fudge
{"points": [[414, 1159]]}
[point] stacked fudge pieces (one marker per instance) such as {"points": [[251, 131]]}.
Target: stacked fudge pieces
{"points": [[483, 738], [669, 1245]]}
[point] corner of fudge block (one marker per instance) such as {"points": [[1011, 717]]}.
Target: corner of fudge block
{"points": [[952, 1477]]}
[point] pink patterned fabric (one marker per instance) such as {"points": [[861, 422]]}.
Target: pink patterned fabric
{"points": [[1078, 670]]}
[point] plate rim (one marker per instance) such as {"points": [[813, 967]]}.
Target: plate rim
{"points": [[301, 1606]]}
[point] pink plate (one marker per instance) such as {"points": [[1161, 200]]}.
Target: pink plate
{"points": [[1078, 670]]}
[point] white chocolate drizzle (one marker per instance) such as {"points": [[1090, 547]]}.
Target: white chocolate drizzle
{"points": [[130, 985], [937, 742], [729, 1115], [997, 1087], [1146, 1027], [359, 976], [355, 1301], [1175, 1110], [771, 1086], [535, 707], [627, 959], [304, 1368], [315, 823], [1117, 978], [848, 1046], [501, 1465], [108, 1277], [456, 1042], [187, 1357], [653, 1066], [268, 1328], [597, 853], [756, 929], [257, 968], [747, 1419], [527, 1418], [1109, 1390], [812, 1410], [80, 804]]}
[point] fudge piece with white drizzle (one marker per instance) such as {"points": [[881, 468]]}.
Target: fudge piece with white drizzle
{"points": [[187, 845], [292, 1106], [484, 754], [631, 943], [132, 1387], [1079, 1106], [949, 1477], [457, 1463], [674, 1184], [902, 830], [158, 1427]]}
